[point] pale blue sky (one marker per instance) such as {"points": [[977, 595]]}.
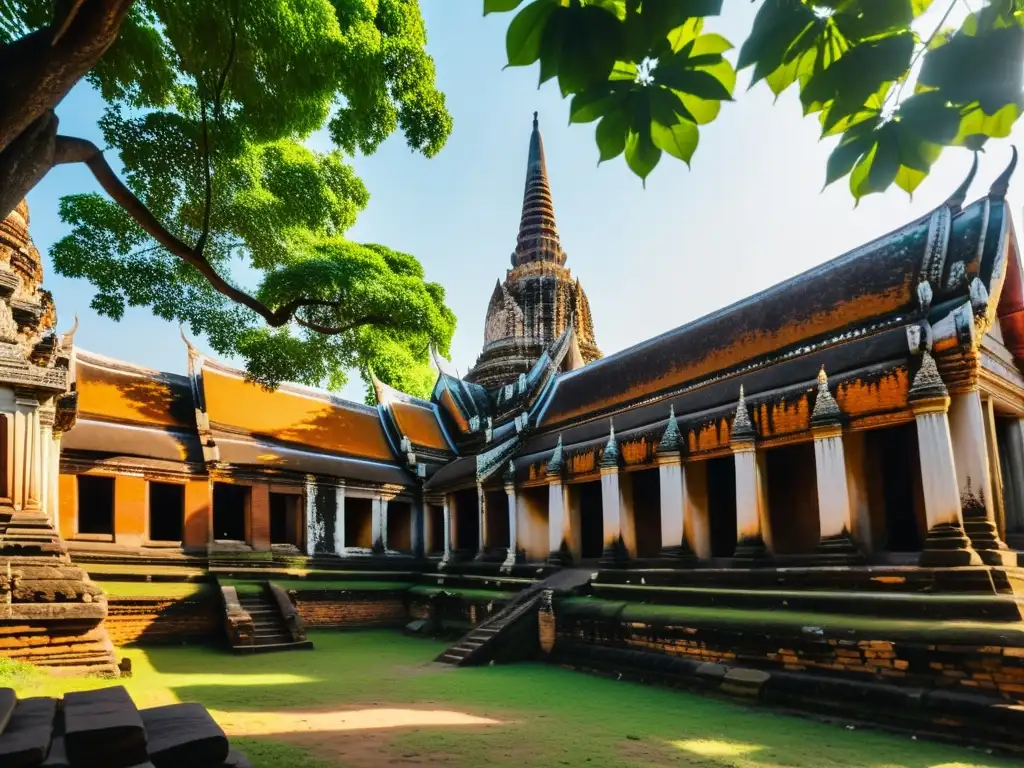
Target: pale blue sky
{"points": [[749, 214]]}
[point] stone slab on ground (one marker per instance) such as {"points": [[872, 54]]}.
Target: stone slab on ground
{"points": [[740, 681], [103, 729], [57, 757], [236, 760], [184, 734], [26, 738], [8, 700]]}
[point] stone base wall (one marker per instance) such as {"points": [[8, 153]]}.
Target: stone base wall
{"points": [[993, 669], [164, 620], [351, 609], [456, 613], [66, 647]]}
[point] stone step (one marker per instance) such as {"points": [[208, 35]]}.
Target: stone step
{"points": [[284, 646], [27, 735]]}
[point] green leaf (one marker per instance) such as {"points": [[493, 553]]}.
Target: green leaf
{"points": [[697, 83], [857, 75], [525, 33], [659, 20], [669, 132], [849, 150], [611, 133], [581, 45], [928, 116], [976, 127], [500, 6], [985, 68], [641, 154], [593, 103], [870, 18], [779, 24]]}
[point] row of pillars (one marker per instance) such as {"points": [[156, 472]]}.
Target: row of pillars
{"points": [[956, 477], [378, 520], [32, 468]]}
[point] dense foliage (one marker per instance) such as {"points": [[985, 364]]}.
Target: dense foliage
{"points": [[651, 74], [225, 221]]}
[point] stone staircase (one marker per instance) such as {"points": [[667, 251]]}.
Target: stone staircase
{"points": [[478, 646], [270, 627]]}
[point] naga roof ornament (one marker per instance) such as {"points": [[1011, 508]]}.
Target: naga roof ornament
{"points": [[555, 462], [1001, 185], [610, 457], [927, 382], [956, 201], [671, 441], [742, 426], [826, 409]]}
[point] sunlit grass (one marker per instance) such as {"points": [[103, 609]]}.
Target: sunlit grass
{"points": [[368, 698]]}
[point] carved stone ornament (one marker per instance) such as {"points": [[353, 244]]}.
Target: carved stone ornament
{"points": [[927, 381], [610, 457], [671, 440], [742, 426], [555, 462], [826, 409]]}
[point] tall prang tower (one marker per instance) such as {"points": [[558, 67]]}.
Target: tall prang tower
{"points": [[539, 297]]}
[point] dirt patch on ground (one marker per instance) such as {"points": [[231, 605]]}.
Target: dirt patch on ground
{"points": [[355, 736]]}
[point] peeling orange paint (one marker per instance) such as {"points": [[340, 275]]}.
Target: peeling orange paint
{"points": [[582, 463], [783, 417], [637, 451], [886, 392]]}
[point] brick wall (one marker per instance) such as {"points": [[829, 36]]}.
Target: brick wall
{"points": [[994, 669], [164, 620], [351, 609]]}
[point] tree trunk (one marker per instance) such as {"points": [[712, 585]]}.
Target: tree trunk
{"points": [[36, 73]]}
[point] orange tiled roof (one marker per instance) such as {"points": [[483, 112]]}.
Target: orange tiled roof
{"points": [[109, 390]]}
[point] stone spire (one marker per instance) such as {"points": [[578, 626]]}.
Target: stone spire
{"points": [[826, 409], [610, 458], [742, 428], [927, 383], [538, 233], [555, 462], [671, 440]]}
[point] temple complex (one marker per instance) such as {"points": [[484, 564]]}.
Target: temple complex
{"points": [[847, 443]]}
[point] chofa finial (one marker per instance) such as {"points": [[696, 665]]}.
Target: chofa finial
{"points": [[956, 201], [1001, 185], [67, 338]]}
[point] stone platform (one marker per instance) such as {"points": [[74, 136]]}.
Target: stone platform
{"points": [[51, 614]]}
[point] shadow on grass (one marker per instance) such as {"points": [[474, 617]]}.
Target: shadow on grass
{"points": [[546, 715]]}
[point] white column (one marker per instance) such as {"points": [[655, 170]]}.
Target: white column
{"points": [[513, 526], [611, 513], [854, 454], [558, 519], [945, 544], [749, 531], [339, 520], [672, 491], [45, 444], [970, 454], [481, 505], [312, 525], [379, 523], [447, 514], [834, 514]]}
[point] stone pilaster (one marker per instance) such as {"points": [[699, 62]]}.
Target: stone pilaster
{"points": [[749, 532], [834, 512], [379, 524], [446, 514], [24, 429], [967, 426], [672, 487], [945, 544], [513, 521], [339, 520], [615, 551], [559, 522], [482, 512]]}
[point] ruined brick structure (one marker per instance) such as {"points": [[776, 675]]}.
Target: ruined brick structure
{"points": [[50, 612], [539, 297]]}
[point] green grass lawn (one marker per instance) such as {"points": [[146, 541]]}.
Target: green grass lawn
{"points": [[177, 589], [247, 586], [370, 698]]}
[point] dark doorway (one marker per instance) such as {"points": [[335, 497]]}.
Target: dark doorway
{"points": [[496, 535], [791, 476], [230, 503], [400, 521], [166, 511], [895, 493], [359, 522], [647, 512], [467, 522], [95, 505], [722, 505], [591, 520], [434, 530], [286, 521]]}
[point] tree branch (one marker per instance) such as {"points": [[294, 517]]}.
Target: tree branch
{"points": [[208, 178], [74, 150], [69, 17]]}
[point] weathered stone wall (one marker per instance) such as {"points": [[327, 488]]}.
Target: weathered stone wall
{"points": [[992, 669], [164, 620], [332, 608]]}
